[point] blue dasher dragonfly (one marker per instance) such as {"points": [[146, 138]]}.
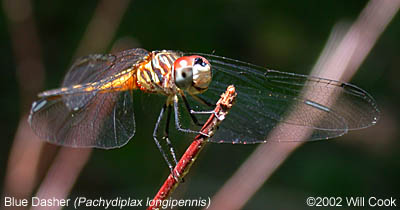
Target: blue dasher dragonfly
{"points": [[94, 106]]}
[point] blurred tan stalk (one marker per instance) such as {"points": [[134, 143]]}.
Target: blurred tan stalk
{"points": [[341, 58], [69, 162], [24, 160], [27, 152]]}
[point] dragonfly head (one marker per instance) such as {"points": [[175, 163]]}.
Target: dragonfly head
{"points": [[192, 73]]}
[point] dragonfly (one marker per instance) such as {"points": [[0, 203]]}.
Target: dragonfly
{"points": [[94, 106]]}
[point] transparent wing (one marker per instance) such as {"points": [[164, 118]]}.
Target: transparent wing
{"points": [[267, 97], [88, 69], [106, 121], [83, 113], [96, 67]]}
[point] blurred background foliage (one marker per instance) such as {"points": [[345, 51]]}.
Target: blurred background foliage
{"points": [[283, 35]]}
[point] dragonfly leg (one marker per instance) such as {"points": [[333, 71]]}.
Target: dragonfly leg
{"points": [[178, 124], [166, 136], [204, 101], [160, 147], [202, 112], [193, 112], [194, 119]]}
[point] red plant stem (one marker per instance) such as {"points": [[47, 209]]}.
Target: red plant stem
{"points": [[222, 108]]}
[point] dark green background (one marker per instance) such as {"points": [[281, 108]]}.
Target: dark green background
{"points": [[283, 35]]}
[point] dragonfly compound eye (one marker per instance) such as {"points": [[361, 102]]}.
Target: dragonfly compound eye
{"points": [[192, 73], [184, 77], [201, 75]]}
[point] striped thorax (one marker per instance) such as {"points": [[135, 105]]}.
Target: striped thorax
{"points": [[168, 72]]}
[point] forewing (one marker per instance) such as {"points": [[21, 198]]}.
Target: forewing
{"points": [[267, 97], [97, 67], [88, 69], [106, 121]]}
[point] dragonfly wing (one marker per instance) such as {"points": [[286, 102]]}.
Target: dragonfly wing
{"points": [[96, 67], [267, 97], [105, 121], [87, 111]]}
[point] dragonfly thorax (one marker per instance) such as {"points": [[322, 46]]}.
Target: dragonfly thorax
{"points": [[170, 71]]}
